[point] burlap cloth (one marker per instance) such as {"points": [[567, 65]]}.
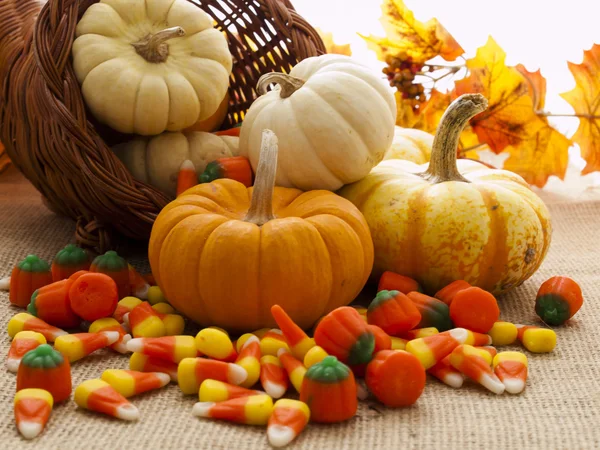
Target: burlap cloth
{"points": [[559, 409]]}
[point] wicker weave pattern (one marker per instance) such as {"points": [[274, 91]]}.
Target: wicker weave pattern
{"points": [[66, 154]]}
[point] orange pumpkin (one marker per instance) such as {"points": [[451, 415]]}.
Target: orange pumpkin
{"points": [[223, 254], [213, 122]]}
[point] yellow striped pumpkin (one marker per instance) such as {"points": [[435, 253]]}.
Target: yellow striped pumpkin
{"points": [[450, 220]]}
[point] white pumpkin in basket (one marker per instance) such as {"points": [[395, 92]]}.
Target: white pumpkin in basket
{"points": [[147, 66], [334, 119], [157, 160]]}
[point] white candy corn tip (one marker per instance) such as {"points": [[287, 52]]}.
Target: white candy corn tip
{"points": [[202, 409], [274, 390], [187, 165], [121, 346], [276, 331], [250, 339], [236, 374], [126, 320], [142, 292], [30, 430], [514, 385], [174, 377], [111, 336], [454, 380], [135, 345], [56, 334], [164, 378], [281, 351], [127, 412], [361, 391], [4, 284], [12, 365], [460, 334], [280, 435], [492, 383]]}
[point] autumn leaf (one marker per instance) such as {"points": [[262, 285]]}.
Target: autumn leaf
{"points": [[537, 86], [406, 117], [331, 46], [411, 38], [585, 100], [510, 100], [543, 153], [432, 110]]}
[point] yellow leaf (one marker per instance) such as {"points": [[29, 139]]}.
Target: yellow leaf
{"points": [[406, 117], [331, 46], [510, 107], [585, 100], [432, 110], [410, 38], [537, 86], [543, 153]]}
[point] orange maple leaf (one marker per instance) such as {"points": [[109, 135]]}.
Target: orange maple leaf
{"points": [[510, 101], [585, 100], [537, 86], [432, 110], [331, 46], [411, 38]]}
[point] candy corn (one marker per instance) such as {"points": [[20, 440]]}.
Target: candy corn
{"points": [[314, 355], [447, 374], [187, 177], [215, 344], [287, 421], [503, 333], [193, 371], [253, 410], [219, 391], [471, 363], [478, 339], [174, 323], [145, 322], [163, 308], [32, 410], [77, 346], [4, 284], [97, 395], [130, 382], [249, 359], [110, 324], [432, 349], [490, 350], [536, 339], [260, 333], [125, 306], [144, 363], [23, 342], [420, 333], [294, 368], [398, 343], [297, 339], [511, 369], [272, 341], [239, 343], [169, 348], [139, 285], [156, 296], [27, 322], [273, 376]]}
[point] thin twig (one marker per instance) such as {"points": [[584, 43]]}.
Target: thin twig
{"points": [[584, 116]]}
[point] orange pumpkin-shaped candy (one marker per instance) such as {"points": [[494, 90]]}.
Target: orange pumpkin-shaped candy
{"points": [[223, 254]]}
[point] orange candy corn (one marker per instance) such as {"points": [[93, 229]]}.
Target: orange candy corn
{"points": [[489, 349], [187, 177], [193, 371], [139, 285], [273, 376], [432, 349], [32, 409], [468, 360], [219, 391], [21, 344], [297, 339], [215, 344], [253, 410], [130, 382], [27, 322], [294, 368], [287, 421], [272, 341], [511, 369], [110, 324], [169, 348], [249, 359], [447, 374], [478, 339], [79, 345], [97, 395], [145, 321], [145, 363], [125, 305]]}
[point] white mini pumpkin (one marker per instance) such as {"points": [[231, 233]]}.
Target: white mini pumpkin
{"points": [[410, 145], [157, 160], [147, 66], [334, 119]]}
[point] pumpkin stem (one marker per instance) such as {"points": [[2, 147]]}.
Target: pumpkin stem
{"points": [[261, 206], [442, 166], [154, 48], [288, 84]]}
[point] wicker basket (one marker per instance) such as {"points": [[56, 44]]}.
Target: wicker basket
{"points": [[65, 153]]}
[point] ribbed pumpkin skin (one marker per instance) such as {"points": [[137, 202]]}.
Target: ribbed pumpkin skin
{"points": [[493, 232], [410, 145], [219, 270]]}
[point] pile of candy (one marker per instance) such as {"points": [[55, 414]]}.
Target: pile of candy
{"points": [[402, 335]]}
